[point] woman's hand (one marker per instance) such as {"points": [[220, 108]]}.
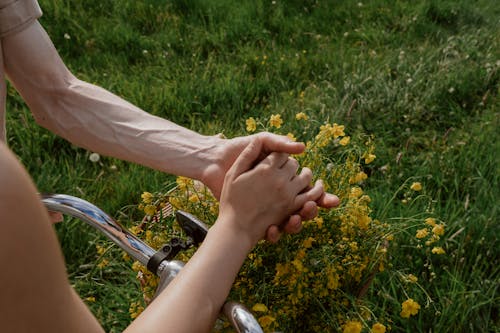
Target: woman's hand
{"points": [[257, 196]]}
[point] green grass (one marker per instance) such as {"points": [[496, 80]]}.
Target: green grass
{"points": [[422, 76]]}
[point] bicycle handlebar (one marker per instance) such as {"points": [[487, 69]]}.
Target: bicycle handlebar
{"points": [[241, 319]]}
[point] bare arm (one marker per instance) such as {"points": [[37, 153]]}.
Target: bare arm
{"points": [[94, 118], [36, 294]]}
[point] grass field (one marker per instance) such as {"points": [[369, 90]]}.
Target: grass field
{"points": [[421, 76]]}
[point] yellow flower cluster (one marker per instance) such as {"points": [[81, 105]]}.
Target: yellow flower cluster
{"points": [[276, 121], [352, 327], [416, 186], [329, 132], [331, 263], [301, 116], [251, 124], [435, 231], [152, 204], [332, 256], [135, 309], [378, 328], [409, 308]]}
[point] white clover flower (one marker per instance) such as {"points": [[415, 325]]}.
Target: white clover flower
{"points": [[94, 157]]}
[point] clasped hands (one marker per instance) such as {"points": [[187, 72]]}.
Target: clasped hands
{"points": [[269, 151]]}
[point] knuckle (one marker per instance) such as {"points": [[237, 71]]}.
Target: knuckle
{"points": [[307, 175], [293, 162]]}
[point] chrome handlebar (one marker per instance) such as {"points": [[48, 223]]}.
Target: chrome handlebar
{"points": [[241, 319]]}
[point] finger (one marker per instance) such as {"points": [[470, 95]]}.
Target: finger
{"points": [[273, 234], [291, 167], [280, 143], [275, 160], [293, 225], [246, 159], [316, 192], [309, 211], [322, 198], [301, 181], [328, 200]]}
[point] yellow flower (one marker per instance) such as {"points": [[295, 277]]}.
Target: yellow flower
{"points": [[412, 278], [301, 116], [438, 250], [276, 121], [416, 186], [149, 236], [103, 263], [100, 249], [345, 141], [150, 210], [430, 221], [337, 130], [358, 178], [438, 230], [307, 243], [333, 280], [291, 137], [298, 265], [135, 309], [378, 328], [251, 124], [352, 326], [136, 266], [147, 197], [266, 321], [409, 308], [183, 182], [193, 198], [356, 192], [259, 307], [364, 221], [136, 230], [90, 299], [421, 233], [319, 221], [369, 158], [327, 132]]}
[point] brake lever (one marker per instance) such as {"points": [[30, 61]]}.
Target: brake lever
{"points": [[194, 228], [196, 231]]}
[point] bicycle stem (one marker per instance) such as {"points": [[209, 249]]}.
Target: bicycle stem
{"points": [[241, 319]]}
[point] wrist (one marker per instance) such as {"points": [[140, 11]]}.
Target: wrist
{"points": [[240, 240], [213, 171]]}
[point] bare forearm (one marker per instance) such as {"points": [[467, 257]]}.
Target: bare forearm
{"points": [[98, 120], [193, 300], [94, 118]]}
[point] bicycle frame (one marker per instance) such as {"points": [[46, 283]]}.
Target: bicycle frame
{"points": [[241, 319]]}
